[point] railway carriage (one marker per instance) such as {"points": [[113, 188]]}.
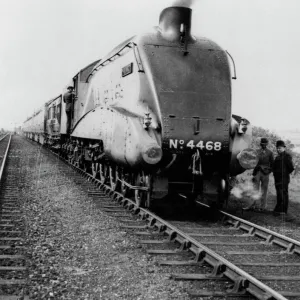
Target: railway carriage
{"points": [[33, 126], [149, 105]]}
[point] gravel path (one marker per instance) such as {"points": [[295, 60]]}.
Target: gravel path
{"points": [[75, 251]]}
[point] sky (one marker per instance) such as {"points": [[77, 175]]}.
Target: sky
{"points": [[44, 43]]}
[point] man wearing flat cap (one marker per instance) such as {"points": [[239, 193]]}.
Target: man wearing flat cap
{"points": [[282, 168], [262, 171], [69, 99]]}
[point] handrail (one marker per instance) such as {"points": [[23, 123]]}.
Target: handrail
{"points": [[109, 59], [233, 63]]}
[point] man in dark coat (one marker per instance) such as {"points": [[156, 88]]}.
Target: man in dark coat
{"points": [[69, 99], [282, 168], [262, 170]]}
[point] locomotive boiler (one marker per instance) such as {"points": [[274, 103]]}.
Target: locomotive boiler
{"points": [[151, 105]]}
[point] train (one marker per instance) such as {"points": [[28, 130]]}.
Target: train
{"points": [[146, 113]]}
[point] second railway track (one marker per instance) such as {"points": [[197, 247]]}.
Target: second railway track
{"points": [[13, 270]]}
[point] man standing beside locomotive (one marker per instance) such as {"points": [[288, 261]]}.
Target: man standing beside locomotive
{"points": [[282, 168], [69, 99], [262, 171]]}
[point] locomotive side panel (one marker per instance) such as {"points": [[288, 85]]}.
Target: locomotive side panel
{"points": [[116, 84], [115, 91]]}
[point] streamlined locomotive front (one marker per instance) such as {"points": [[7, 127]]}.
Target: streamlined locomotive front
{"points": [[192, 86]]}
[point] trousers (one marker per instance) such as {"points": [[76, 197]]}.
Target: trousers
{"points": [[282, 191], [261, 181]]}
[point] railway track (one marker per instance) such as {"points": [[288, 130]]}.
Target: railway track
{"points": [[233, 259], [13, 280], [3, 145]]}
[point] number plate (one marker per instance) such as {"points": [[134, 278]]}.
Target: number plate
{"points": [[181, 144]]}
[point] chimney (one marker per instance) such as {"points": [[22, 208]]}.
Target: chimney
{"points": [[175, 24]]}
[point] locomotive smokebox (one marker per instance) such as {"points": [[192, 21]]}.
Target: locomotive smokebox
{"points": [[175, 24]]}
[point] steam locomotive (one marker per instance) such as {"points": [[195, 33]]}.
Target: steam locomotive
{"points": [[143, 113]]}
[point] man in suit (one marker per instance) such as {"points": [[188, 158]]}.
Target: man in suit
{"points": [[282, 168], [262, 171]]}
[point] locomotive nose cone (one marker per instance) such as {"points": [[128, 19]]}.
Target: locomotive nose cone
{"points": [[151, 154]]}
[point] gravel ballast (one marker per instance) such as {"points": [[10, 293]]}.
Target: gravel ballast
{"points": [[75, 251]]}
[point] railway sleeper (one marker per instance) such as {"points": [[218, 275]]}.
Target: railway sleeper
{"points": [[215, 294]]}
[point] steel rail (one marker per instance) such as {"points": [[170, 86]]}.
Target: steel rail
{"points": [[5, 157], [3, 137], [271, 237], [221, 267]]}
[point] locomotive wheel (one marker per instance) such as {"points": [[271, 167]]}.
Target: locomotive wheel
{"points": [[103, 171], [95, 169], [114, 178], [142, 198], [81, 163], [125, 177], [85, 167]]}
